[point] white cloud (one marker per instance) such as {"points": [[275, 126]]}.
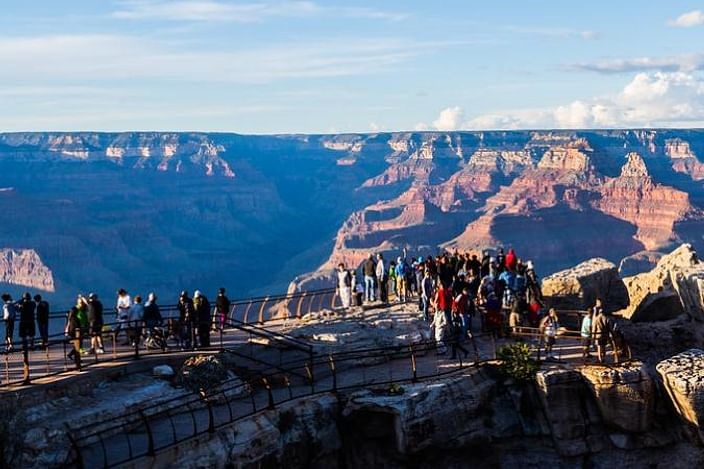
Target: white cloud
{"points": [[449, 119], [688, 20], [656, 99], [683, 62], [91, 58], [212, 10], [555, 33]]}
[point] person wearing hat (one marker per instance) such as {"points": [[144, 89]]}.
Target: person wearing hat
{"points": [[222, 309], [95, 324], [27, 329], [201, 305]]}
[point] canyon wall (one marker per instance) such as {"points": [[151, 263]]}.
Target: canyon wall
{"points": [[170, 211]]}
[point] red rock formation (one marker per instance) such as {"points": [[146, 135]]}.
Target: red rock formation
{"points": [[683, 159], [24, 267]]}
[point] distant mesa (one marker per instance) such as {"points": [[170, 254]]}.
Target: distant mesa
{"points": [[24, 267]]}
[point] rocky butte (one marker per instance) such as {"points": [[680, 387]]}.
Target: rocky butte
{"points": [[103, 210]]}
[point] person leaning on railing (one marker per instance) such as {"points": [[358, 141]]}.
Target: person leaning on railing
{"points": [[9, 313]]}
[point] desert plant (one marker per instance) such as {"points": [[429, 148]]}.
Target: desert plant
{"points": [[516, 361]]}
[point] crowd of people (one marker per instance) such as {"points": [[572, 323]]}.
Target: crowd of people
{"points": [[454, 290], [140, 322]]}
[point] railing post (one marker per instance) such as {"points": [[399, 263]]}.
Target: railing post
{"points": [[48, 358], [261, 310], [310, 305], [320, 303], [150, 437], [334, 373], [300, 303], [246, 312], [25, 361], [268, 390], [232, 313], [414, 365]]}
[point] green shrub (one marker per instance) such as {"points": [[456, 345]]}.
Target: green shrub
{"points": [[516, 362]]}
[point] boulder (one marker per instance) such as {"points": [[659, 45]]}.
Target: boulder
{"points": [[675, 286], [625, 395], [580, 286], [163, 371], [683, 377], [643, 261]]}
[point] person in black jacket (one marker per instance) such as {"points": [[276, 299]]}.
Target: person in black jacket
{"points": [[152, 314], [222, 309], [201, 306], [42, 319], [27, 329], [95, 324], [186, 318]]}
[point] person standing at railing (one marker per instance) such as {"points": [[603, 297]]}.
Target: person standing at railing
{"points": [[427, 288], [9, 314], [586, 334], [95, 324], [344, 285], [186, 317], [82, 315], [201, 305], [27, 308], [222, 309], [382, 279], [72, 332], [369, 271], [600, 329], [124, 302], [550, 326], [42, 319], [136, 316]]}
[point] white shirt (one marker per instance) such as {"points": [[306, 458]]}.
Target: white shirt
{"points": [[123, 305], [380, 271]]}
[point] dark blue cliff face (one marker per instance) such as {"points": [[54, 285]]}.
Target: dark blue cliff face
{"points": [[171, 211]]}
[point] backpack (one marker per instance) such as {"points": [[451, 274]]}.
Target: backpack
{"points": [[8, 312]]}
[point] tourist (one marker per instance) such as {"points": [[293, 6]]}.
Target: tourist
{"points": [[443, 302], [344, 285], [392, 278], [122, 309], [222, 309], [82, 317], [600, 329], [27, 308], [42, 319], [500, 261], [185, 321], [550, 326], [586, 334], [511, 260], [382, 279], [152, 313], [439, 326], [401, 279], [514, 320], [201, 306], [493, 319], [369, 271], [95, 324], [72, 332], [427, 292], [9, 314], [458, 335], [358, 289], [136, 316]]}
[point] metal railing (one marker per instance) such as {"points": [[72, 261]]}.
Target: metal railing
{"points": [[27, 363]]}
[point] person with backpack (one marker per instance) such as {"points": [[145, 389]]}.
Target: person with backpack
{"points": [[95, 324], [344, 285], [222, 309], [201, 305], [42, 319], [9, 314], [27, 308]]}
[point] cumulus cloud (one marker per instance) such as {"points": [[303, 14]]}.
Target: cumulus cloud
{"points": [[656, 99], [449, 119], [688, 20]]}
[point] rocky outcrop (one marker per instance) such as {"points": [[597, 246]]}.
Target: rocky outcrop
{"points": [[638, 263], [683, 158], [675, 286], [682, 376], [625, 395], [24, 267], [580, 286]]}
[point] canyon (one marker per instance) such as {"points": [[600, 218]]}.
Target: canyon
{"points": [[167, 211]]}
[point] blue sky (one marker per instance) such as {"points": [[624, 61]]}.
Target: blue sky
{"points": [[259, 66]]}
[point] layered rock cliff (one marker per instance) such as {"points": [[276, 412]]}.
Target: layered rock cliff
{"points": [[25, 268]]}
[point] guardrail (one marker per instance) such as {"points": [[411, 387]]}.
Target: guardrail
{"points": [[26, 363]]}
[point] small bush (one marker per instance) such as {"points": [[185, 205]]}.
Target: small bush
{"points": [[516, 362]]}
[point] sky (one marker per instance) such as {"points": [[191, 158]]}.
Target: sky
{"points": [[262, 67]]}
